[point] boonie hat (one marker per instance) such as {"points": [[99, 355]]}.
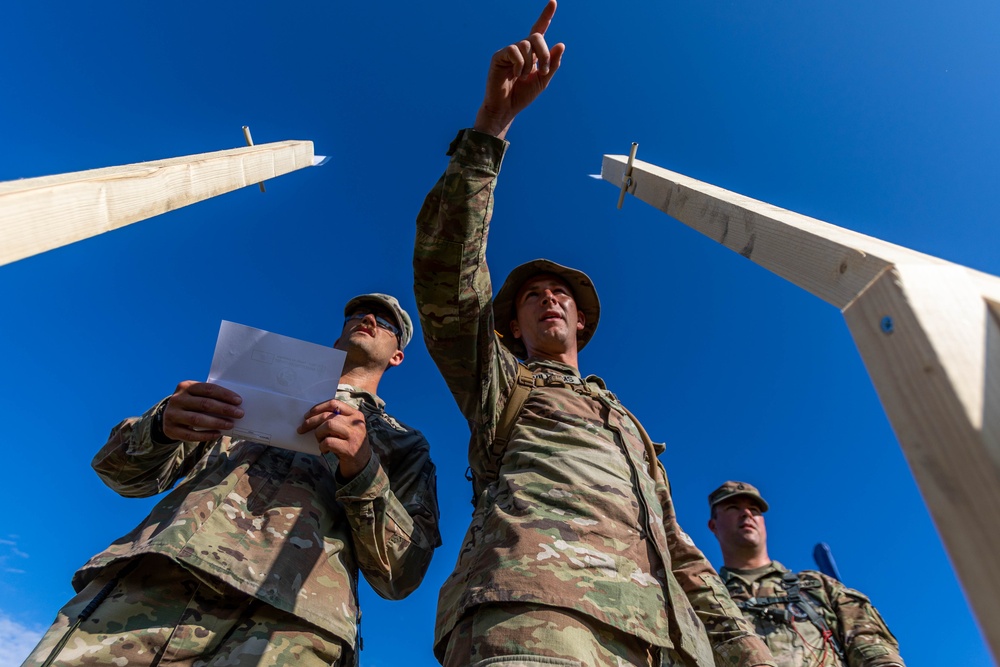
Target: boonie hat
{"points": [[403, 320], [730, 489], [579, 283]]}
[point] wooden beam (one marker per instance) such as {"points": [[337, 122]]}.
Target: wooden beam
{"points": [[43, 213], [928, 331], [931, 373]]}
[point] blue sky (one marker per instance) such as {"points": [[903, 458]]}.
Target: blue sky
{"points": [[879, 117]]}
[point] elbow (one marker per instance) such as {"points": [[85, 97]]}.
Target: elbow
{"points": [[127, 487], [398, 582], [133, 490], [395, 591]]}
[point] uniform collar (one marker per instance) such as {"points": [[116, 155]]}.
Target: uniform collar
{"points": [[362, 396], [537, 365], [748, 575], [543, 365]]}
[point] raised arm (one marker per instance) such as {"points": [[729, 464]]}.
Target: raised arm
{"points": [[517, 75], [451, 280]]}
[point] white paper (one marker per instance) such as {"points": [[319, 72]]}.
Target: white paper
{"points": [[279, 379]]}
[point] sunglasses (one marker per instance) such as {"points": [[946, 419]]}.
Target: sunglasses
{"points": [[380, 321]]}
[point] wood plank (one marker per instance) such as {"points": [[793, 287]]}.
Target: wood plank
{"points": [[991, 384], [830, 262], [43, 213], [928, 331], [937, 376]]}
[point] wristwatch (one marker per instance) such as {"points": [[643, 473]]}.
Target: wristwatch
{"points": [[156, 427]]}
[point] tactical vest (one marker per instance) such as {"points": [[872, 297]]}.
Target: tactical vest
{"points": [[799, 603]]}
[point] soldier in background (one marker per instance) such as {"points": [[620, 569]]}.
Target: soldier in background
{"points": [[807, 619], [253, 559], [574, 555]]}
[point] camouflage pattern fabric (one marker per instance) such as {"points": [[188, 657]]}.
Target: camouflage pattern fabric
{"points": [[856, 625], [573, 520], [527, 635], [161, 614], [279, 525]]}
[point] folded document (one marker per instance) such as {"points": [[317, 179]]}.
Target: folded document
{"points": [[279, 378]]}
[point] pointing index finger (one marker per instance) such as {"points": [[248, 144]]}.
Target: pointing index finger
{"points": [[542, 24]]}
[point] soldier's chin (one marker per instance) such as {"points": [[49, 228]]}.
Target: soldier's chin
{"points": [[362, 342]]}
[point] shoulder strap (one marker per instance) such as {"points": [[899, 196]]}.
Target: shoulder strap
{"points": [[654, 469], [519, 392]]}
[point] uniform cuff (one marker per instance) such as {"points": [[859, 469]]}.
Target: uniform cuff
{"points": [[478, 150], [143, 437], [368, 484]]}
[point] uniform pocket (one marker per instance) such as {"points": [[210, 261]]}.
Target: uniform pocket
{"points": [[526, 661]]}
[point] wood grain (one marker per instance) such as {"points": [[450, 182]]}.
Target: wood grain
{"points": [[927, 329], [43, 213]]}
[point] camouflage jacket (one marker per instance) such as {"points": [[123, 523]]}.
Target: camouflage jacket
{"points": [[277, 524], [794, 640], [574, 518]]}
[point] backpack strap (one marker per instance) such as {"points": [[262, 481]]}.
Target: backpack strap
{"points": [[519, 392], [655, 471]]}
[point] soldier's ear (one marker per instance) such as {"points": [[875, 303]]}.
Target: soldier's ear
{"points": [[711, 525], [515, 329], [396, 358], [581, 320]]}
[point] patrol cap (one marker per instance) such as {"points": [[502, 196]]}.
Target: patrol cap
{"points": [[403, 320], [730, 489], [579, 283]]}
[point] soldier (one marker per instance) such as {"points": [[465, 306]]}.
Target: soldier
{"points": [[574, 555], [253, 559], [807, 619]]}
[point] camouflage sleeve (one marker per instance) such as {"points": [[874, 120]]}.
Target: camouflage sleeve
{"points": [[394, 525], [134, 466], [866, 640], [452, 282], [734, 641]]}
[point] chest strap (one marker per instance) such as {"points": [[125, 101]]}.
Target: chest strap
{"points": [[808, 604], [802, 600]]}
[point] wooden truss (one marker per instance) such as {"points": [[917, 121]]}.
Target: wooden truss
{"points": [[40, 214], [928, 332]]}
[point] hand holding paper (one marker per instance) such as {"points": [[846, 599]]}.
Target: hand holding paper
{"points": [[199, 411], [341, 431], [279, 379]]}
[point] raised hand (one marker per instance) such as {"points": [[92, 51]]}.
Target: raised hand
{"points": [[518, 74]]}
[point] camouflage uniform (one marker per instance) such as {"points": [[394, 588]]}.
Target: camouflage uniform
{"points": [[158, 612], [574, 519], [275, 525], [797, 642]]}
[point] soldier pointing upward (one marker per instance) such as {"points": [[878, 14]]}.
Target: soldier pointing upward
{"points": [[574, 555]]}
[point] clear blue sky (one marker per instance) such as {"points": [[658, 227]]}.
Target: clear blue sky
{"points": [[876, 116]]}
